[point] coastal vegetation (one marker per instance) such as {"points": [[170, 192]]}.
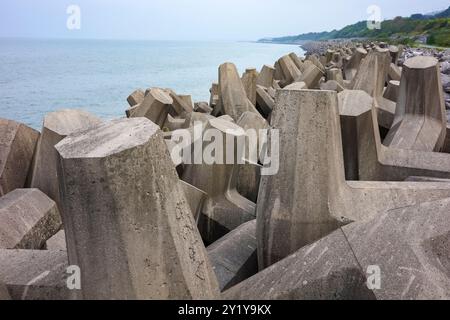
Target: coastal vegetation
{"points": [[431, 30]]}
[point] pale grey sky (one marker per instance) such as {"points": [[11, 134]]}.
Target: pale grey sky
{"points": [[194, 19]]}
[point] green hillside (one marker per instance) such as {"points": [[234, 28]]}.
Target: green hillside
{"points": [[403, 30]]}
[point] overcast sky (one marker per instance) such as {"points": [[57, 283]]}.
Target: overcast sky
{"points": [[194, 19]]}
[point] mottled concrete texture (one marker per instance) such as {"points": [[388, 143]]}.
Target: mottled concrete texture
{"points": [[366, 158], [233, 94], [27, 219], [412, 258], [17, 147], [224, 209], [309, 197], [420, 119], [35, 274], [56, 126], [233, 257], [120, 191]]}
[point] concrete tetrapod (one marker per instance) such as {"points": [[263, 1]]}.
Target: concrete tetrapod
{"points": [[233, 257], [249, 175], [249, 79], [156, 106], [56, 126], [366, 158], [371, 77], [309, 197], [127, 222], [409, 246], [420, 119], [17, 147], [290, 70], [36, 274], [234, 98], [136, 97], [351, 68], [266, 76], [224, 209], [28, 218]]}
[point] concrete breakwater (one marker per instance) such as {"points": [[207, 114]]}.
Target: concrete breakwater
{"points": [[357, 208]]}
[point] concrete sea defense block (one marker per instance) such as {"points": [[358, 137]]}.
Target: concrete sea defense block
{"points": [[266, 76], [224, 209], [371, 77], [17, 147], [156, 106], [249, 175], [234, 98], [27, 219], [366, 158], [249, 79], [233, 257], [420, 119], [120, 191], [35, 274], [56, 126], [57, 242], [136, 97], [408, 247], [309, 197]]}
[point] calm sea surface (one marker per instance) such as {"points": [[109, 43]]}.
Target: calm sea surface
{"points": [[40, 76]]}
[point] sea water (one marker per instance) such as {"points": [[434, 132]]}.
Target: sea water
{"points": [[41, 76]]}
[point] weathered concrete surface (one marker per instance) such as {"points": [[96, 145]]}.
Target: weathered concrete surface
{"points": [[394, 72], [298, 63], [395, 53], [296, 86], [156, 106], [136, 97], [336, 75], [249, 175], [266, 76], [371, 77], [392, 91], [172, 124], [35, 274], [195, 198], [290, 71], [56, 126], [325, 270], [215, 100], [420, 119], [187, 98], [332, 85], [311, 77], [351, 68], [180, 107], [114, 197], [17, 147], [203, 107], [234, 97], [309, 197], [224, 209], [264, 101], [4, 294], [315, 61], [410, 246], [57, 242], [27, 219], [249, 79], [233, 257], [366, 158]]}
